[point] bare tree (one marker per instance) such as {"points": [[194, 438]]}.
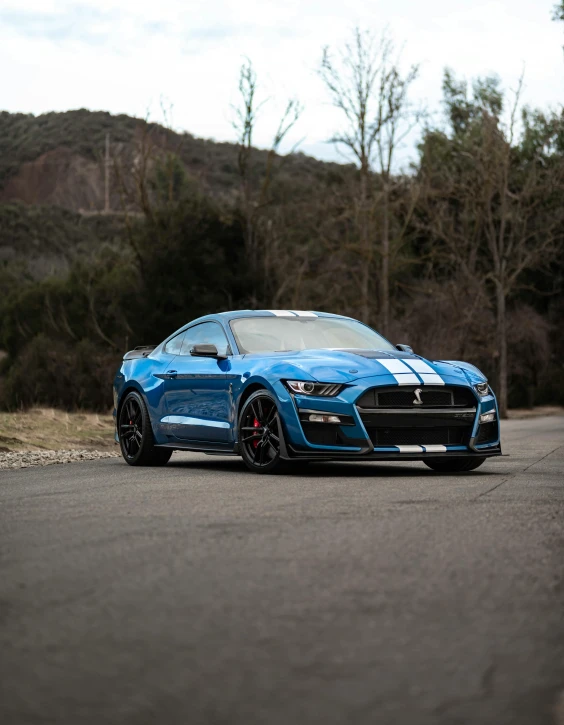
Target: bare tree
{"points": [[366, 85], [397, 118], [244, 124], [521, 235], [254, 193], [492, 209]]}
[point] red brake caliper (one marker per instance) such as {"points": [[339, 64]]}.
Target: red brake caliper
{"points": [[256, 424]]}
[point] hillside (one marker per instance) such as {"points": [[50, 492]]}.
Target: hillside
{"points": [[57, 158], [42, 241], [52, 182]]}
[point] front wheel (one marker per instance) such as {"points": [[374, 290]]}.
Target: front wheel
{"points": [[136, 435], [453, 465], [260, 431]]}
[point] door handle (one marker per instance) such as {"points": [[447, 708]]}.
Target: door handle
{"points": [[171, 373]]}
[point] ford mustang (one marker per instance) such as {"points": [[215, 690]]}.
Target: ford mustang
{"points": [[283, 386]]}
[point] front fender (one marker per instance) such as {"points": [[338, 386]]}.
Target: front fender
{"points": [[475, 374], [282, 396]]}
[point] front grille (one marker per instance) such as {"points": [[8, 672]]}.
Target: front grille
{"points": [[404, 397], [401, 399], [488, 433], [463, 397], [447, 435]]}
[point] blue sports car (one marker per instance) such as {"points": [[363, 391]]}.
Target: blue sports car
{"points": [[280, 386]]}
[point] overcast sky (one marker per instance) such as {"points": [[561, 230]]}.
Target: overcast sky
{"points": [[124, 56]]}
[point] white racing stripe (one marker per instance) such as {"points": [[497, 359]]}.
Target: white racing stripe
{"points": [[420, 366], [400, 371], [394, 365], [435, 449], [406, 379], [410, 449], [282, 313], [302, 313], [425, 371], [432, 379]]}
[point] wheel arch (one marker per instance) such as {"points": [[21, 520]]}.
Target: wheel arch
{"points": [[133, 387], [246, 394]]}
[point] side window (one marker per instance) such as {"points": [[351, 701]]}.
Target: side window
{"points": [[174, 346], [209, 332]]}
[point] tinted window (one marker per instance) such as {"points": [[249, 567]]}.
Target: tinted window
{"points": [[208, 332], [175, 345]]}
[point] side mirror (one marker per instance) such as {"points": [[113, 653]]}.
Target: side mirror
{"points": [[206, 349], [404, 348]]}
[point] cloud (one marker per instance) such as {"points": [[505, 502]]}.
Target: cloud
{"points": [[124, 55], [80, 23]]}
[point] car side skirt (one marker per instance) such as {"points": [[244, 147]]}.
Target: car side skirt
{"points": [[291, 454]]}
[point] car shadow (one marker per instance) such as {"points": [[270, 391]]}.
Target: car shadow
{"points": [[328, 469]]}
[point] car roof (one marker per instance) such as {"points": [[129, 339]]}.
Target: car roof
{"points": [[235, 314], [226, 317]]}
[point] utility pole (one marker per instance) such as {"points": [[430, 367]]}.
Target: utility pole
{"points": [[107, 176]]}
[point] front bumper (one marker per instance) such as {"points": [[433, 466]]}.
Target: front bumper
{"points": [[444, 433]]}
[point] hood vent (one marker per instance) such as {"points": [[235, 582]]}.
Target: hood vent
{"points": [[379, 354]]}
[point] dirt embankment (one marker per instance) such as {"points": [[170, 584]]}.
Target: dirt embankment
{"points": [[46, 429], [58, 177]]}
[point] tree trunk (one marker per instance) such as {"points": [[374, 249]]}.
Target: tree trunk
{"points": [[365, 246], [385, 271], [502, 347], [249, 234]]}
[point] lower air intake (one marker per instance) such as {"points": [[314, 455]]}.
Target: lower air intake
{"points": [[447, 435], [488, 433]]}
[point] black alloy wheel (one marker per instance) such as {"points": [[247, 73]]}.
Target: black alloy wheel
{"points": [[131, 427], [136, 435], [260, 432]]}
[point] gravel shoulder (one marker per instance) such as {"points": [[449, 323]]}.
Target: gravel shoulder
{"points": [[24, 459], [44, 436]]}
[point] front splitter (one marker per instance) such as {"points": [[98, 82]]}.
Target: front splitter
{"points": [[292, 454]]}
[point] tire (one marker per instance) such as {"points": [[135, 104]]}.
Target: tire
{"points": [[135, 434], [453, 465], [260, 431]]}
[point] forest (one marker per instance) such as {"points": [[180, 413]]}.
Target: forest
{"points": [[461, 255]]}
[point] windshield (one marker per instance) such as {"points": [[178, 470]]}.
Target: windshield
{"points": [[277, 334]]}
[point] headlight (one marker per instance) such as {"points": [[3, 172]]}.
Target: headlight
{"points": [[482, 389], [325, 390]]}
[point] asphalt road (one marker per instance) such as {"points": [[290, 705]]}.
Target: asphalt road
{"points": [[351, 593]]}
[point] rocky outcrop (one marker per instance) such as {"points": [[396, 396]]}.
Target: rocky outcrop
{"points": [[58, 177]]}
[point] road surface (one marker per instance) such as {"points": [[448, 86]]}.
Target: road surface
{"points": [[352, 593]]}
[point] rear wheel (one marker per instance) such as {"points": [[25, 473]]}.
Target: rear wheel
{"points": [[453, 465], [136, 435], [260, 432]]}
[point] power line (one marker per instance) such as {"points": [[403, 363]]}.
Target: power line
{"points": [[107, 176]]}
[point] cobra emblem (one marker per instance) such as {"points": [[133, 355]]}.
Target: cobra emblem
{"points": [[417, 392]]}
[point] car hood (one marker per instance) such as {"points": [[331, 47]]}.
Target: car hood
{"points": [[345, 366]]}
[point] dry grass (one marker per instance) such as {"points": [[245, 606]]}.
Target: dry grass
{"points": [[50, 429], [540, 410]]}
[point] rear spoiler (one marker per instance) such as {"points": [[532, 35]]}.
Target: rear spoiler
{"points": [[141, 351]]}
